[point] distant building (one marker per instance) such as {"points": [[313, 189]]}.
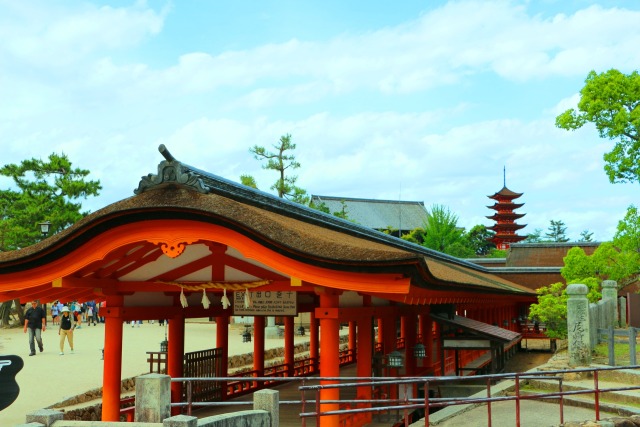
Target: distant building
{"points": [[534, 264], [397, 215], [505, 217]]}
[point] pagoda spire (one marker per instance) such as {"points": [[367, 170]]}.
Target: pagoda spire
{"points": [[505, 227]]}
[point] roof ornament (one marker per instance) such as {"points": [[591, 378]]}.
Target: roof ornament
{"points": [[171, 171]]}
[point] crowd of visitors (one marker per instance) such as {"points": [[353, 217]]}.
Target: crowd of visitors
{"points": [[68, 317]]}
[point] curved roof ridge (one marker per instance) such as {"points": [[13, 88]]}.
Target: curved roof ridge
{"points": [[270, 202]]}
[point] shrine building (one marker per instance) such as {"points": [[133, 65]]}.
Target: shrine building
{"points": [[505, 227], [190, 244]]}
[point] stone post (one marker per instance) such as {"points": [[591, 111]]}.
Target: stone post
{"points": [[180, 421], [45, 417], [610, 293], [153, 398], [268, 400], [622, 309], [578, 325]]}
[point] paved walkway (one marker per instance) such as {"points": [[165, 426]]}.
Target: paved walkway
{"points": [[49, 378]]}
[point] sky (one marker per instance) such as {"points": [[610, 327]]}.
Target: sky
{"points": [[427, 101]]}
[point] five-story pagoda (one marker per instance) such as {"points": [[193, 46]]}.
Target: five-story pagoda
{"points": [[505, 217]]}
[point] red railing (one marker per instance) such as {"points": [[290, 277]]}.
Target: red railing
{"points": [[244, 382], [359, 410]]}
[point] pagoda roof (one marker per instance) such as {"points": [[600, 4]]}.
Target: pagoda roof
{"points": [[505, 193], [505, 215], [508, 238], [506, 226], [506, 206]]}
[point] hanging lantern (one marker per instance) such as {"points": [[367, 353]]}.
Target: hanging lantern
{"points": [[164, 346], [419, 351], [395, 359], [301, 331], [246, 336]]}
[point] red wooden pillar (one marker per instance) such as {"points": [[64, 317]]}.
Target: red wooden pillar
{"points": [[175, 358], [380, 336], [389, 334], [258, 345], [222, 341], [112, 372], [329, 359], [289, 345], [426, 325], [314, 339], [409, 333], [365, 357]]}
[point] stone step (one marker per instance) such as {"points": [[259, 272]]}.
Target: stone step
{"points": [[622, 396], [581, 401]]}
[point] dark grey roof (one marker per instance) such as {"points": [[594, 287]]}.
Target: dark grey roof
{"points": [[378, 214]]}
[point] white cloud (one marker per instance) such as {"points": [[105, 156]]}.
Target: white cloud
{"points": [[43, 35]]}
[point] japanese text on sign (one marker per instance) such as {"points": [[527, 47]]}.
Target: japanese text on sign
{"points": [[265, 303]]}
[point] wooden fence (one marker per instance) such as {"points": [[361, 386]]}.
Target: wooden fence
{"points": [[630, 334]]}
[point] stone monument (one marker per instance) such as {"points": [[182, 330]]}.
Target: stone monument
{"points": [[578, 325]]}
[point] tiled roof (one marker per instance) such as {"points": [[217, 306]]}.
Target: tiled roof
{"points": [[479, 328], [378, 214], [546, 254], [505, 193]]}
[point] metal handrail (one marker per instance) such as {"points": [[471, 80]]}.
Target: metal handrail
{"points": [[364, 406]]}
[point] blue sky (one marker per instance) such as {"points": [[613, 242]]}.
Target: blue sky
{"points": [[418, 100]]}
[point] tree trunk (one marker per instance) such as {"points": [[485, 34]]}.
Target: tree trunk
{"points": [[19, 310], [5, 313]]}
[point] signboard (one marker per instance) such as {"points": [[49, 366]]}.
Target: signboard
{"points": [[9, 390], [266, 303], [469, 343]]}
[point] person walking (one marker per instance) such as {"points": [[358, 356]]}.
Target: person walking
{"points": [[55, 312], [67, 325], [35, 319]]}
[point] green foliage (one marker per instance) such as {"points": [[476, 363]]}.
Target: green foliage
{"points": [[342, 213], [415, 236], [535, 237], [557, 232], [479, 239], [282, 162], [460, 249], [551, 309], [611, 101], [614, 263], [586, 236], [497, 253], [43, 191], [443, 233], [627, 235], [249, 181], [608, 262], [577, 265]]}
